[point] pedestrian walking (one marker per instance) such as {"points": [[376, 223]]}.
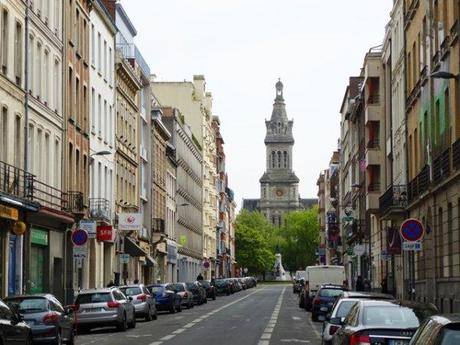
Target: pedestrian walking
{"points": [[199, 277], [359, 284]]}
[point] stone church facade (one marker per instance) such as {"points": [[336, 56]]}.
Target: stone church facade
{"points": [[279, 191]]}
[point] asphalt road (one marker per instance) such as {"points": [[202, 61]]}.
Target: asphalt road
{"points": [[265, 315]]}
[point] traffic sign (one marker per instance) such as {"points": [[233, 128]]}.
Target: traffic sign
{"points": [[412, 246], [124, 258], [79, 237], [412, 230]]}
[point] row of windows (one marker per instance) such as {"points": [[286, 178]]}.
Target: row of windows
{"points": [[77, 169], [101, 181], [9, 26], [102, 121], [102, 56], [279, 159], [126, 185], [11, 149], [44, 75], [49, 11], [126, 125]]}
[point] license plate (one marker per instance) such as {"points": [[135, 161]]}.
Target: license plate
{"points": [[93, 310], [321, 318], [398, 342], [324, 309]]}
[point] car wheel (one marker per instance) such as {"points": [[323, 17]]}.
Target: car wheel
{"points": [[133, 322], [123, 325], [205, 300], [148, 316], [58, 340]]}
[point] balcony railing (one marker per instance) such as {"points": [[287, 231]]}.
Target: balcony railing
{"points": [[130, 51], [46, 195], [13, 180], [394, 198], [75, 203], [441, 166], [373, 187], [100, 209], [456, 155], [373, 144], [419, 184]]}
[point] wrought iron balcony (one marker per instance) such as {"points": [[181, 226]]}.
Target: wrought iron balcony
{"points": [[75, 203], [99, 208], [13, 180], [456, 155], [419, 184], [441, 166], [130, 51], [395, 198]]}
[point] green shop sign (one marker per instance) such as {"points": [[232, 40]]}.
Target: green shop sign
{"points": [[39, 237]]}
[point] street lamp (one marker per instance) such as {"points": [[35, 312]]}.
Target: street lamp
{"points": [[99, 153]]}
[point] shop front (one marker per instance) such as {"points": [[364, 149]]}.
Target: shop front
{"points": [[38, 260]]}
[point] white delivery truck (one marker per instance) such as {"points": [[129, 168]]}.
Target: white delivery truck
{"points": [[315, 276]]}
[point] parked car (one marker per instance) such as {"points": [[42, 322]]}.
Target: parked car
{"points": [[438, 330], [222, 286], [297, 285], [13, 330], [242, 282], [185, 295], [324, 300], [315, 276], [166, 298], [49, 321], [210, 289], [144, 302], [341, 308], [381, 322], [235, 284], [199, 294], [251, 282], [104, 307]]}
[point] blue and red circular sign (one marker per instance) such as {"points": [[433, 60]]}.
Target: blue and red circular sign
{"points": [[79, 237], [412, 230]]}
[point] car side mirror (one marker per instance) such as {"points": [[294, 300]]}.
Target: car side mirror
{"points": [[336, 321]]}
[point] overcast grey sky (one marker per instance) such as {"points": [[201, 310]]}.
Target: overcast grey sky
{"points": [[242, 47]]}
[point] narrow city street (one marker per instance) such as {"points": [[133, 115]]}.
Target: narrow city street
{"points": [[266, 315]]}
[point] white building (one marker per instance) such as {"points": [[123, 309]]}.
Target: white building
{"points": [[102, 143]]}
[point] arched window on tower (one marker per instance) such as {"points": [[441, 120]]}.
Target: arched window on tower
{"points": [[273, 159], [279, 159], [285, 159], [279, 127]]}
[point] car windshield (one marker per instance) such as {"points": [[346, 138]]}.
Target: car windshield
{"points": [[391, 316], [344, 308], [179, 287], [131, 291], [330, 292], [450, 335], [29, 305], [93, 298], [155, 289]]}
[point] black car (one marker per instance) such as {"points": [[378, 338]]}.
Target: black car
{"points": [[381, 322], [13, 330], [222, 286], [438, 330], [210, 289], [199, 294], [49, 321], [324, 300]]}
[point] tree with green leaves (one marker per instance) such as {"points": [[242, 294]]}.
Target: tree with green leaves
{"points": [[298, 239], [253, 239]]}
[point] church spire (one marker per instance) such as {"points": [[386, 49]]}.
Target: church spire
{"points": [[279, 91]]}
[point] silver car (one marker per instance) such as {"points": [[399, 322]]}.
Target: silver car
{"points": [[143, 301], [104, 307]]}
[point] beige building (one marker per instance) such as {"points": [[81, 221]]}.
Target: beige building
{"points": [[195, 104]]}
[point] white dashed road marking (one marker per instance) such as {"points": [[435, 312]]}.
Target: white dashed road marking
{"points": [[197, 321], [266, 336]]}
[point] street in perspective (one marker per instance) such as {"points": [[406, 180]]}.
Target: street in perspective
{"points": [[256, 172]]}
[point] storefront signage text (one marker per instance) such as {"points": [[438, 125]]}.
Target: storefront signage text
{"points": [[39, 237]]}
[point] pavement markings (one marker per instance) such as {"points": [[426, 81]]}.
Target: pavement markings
{"points": [[196, 321], [267, 334], [295, 341]]}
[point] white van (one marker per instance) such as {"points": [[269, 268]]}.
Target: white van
{"points": [[315, 276]]}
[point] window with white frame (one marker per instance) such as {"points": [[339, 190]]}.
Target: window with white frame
{"points": [[18, 53], [105, 60], [99, 62], [38, 64], [46, 78], [93, 45], [4, 41], [93, 110]]}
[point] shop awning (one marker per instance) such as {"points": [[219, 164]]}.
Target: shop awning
{"points": [[132, 248], [150, 261]]}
